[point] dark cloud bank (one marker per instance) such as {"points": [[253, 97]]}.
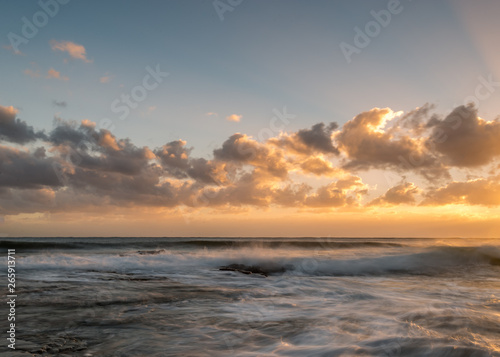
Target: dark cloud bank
{"points": [[76, 165]]}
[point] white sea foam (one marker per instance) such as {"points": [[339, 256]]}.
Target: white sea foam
{"points": [[427, 261], [402, 299]]}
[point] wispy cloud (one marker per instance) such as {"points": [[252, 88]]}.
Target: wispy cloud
{"points": [[106, 78], [11, 49], [148, 111], [52, 73], [60, 104], [234, 117], [75, 50], [32, 73]]}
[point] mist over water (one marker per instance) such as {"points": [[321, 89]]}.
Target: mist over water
{"points": [[287, 296]]}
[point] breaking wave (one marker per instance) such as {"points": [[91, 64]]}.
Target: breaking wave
{"points": [[429, 261]]}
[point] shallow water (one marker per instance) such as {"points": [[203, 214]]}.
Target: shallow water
{"points": [[322, 297]]}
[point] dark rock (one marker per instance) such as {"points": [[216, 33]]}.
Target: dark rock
{"points": [[245, 269], [150, 252]]}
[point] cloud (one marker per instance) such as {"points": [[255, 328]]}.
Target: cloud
{"points": [[26, 170], [105, 79], [75, 51], [107, 140], [403, 193], [241, 149], [415, 121], [32, 73], [211, 114], [16, 130], [206, 171], [250, 189], [483, 191], [68, 133], [319, 166], [79, 166], [148, 111], [247, 190], [174, 157], [344, 192], [234, 117], [52, 73], [464, 139], [318, 139], [11, 49], [91, 149], [60, 104], [17, 200], [175, 160], [367, 145], [291, 195]]}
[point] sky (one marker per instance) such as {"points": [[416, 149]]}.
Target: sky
{"points": [[249, 118]]}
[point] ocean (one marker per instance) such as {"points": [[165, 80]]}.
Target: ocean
{"points": [[254, 297]]}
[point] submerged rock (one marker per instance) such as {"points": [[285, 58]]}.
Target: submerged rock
{"points": [[150, 252], [144, 252], [247, 269]]}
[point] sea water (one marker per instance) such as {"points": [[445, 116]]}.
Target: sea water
{"points": [[305, 297]]}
